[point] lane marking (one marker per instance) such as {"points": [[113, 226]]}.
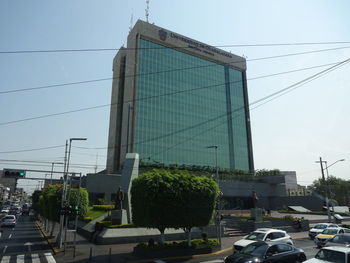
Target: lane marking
{"points": [[10, 235], [50, 258], [35, 258], [5, 259], [20, 259], [4, 250]]}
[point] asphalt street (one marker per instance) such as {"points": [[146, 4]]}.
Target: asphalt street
{"points": [[24, 243], [306, 244]]}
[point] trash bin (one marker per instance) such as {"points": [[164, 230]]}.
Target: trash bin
{"points": [[338, 218]]}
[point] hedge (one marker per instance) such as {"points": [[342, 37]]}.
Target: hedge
{"points": [[103, 207]]}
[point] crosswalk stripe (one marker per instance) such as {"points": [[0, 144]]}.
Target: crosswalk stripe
{"points": [[20, 259], [5, 259], [50, 258], [35, 258]]}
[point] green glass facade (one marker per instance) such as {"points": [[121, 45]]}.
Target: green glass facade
{"points": [[184, 104]]}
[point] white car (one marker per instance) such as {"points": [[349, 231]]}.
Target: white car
{"points": [[318, 229], [263, 234], [9, 220], [331, 254]]}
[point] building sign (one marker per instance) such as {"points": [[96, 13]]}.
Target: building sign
{"points": [[194, 44]]}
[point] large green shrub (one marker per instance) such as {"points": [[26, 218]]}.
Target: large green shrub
{"points": [[161, 199]]}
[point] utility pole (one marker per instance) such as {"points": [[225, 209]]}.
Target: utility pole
{"points": [[326, 190]]}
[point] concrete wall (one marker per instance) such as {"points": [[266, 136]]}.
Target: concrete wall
{"points": [[309, 202], [103, 183]]}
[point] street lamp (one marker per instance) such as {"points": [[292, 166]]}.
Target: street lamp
{"points": [[65, 177], [53, 163], [326, 182], [216, 160], [217, 181]]}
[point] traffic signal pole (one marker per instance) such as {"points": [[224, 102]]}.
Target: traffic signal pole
{"points": [[65, 175]]}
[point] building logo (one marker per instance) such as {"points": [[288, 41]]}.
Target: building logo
{"points": [[162, 34]]}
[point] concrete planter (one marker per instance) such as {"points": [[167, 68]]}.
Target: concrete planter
{"points": [[170, 252]]}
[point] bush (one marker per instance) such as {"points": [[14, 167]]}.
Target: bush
{"points": [[87, 218], [103, 207], [195, 244]]}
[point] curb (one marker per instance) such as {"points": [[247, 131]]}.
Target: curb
{"points": [[53, 248]]}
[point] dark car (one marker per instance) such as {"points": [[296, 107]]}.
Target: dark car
{"points": [[341, 240], [262, 252]]}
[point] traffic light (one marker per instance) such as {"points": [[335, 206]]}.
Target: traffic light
{"points": [[14, 173], [76, 210]]}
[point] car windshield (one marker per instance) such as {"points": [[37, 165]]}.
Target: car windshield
{"points": [[256, 236], [330, 231], [341, 239], [331, 256], [8, 217], [320, 226], [256, 249]]}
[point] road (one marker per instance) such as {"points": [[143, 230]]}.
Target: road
{"points": [[306, 244], [24, 243]]}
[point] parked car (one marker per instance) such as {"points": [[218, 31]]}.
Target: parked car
{"points": [[263, 234], [341, 240], [318, 228], [9, 220], [262, 252], [331, 254], [328, 233]]}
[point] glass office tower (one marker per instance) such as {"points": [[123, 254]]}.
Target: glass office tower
{"points": [[173, 97]]}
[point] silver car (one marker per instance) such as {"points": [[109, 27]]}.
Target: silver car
{"points": [[9, 220]]}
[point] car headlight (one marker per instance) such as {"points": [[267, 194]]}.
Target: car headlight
{"points": [[255, 260]]}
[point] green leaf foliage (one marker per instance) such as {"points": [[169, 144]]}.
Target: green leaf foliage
{"points": [[83, 202], [103, 207], [48, 201], [162, 199]]}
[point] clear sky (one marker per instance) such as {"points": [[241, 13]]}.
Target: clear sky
{"points": [[289, 133]]}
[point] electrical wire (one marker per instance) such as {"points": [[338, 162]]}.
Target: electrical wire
{"points": [[155, 96], [271, 96], [35, 149], [182, 47], [293, 86], [170, 70]]}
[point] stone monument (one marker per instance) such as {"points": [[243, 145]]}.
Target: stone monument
{"points": [[255, 212], [119, 215]]}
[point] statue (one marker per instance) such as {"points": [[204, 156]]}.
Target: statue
{"points": [[119, 199], [254, 199]]}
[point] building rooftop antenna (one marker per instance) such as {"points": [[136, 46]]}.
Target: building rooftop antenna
{"points": [[131, 21], [147, 10]]}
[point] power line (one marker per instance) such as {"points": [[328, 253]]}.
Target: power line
{"points": [[44, 162], [151, 97], [171, 70], [35, 149], [47, 165], [270, 96], [282, 92], [175, 47]]}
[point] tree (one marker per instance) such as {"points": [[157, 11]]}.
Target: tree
{"points": [[339, 189], [161, 199]]}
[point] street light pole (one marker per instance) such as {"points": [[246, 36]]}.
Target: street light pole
{"points": [[65, 179], [53, 163], [217, 181], [326, 182]]}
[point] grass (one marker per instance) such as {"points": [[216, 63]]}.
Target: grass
{"points": [[95, 213]]}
